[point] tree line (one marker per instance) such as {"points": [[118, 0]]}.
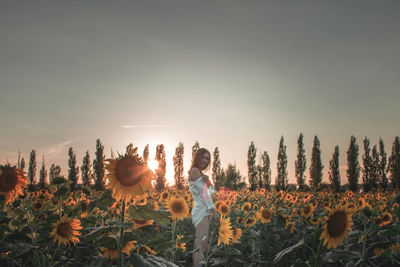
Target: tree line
{"points": [[377, 172]]}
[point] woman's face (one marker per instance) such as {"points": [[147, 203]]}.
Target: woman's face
{"points": [[205, 159]]}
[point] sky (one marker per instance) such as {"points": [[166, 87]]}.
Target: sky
{"points": [[224, 73]]}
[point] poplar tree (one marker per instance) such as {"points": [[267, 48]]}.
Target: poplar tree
{"points": [[32, 167], [22, 164], [281, 180], [161, 170], [394, 164], [195, 147], [129, 148], [98, 166], [251, 165], [374, 168], [353, 168], [55, 171], [42, 175], [86, 170], [300, 163], [316, 165], [233, 177], [334, 171], [73, 171], [382, 178], [266, 170], [146, 154], [366, 170], [178, 166], [216, 169], [19, 160]]}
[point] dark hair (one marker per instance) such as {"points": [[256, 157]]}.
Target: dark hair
{"points": [[197, 158]]}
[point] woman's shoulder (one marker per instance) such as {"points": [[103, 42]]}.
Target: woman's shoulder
{"points": [[194, 174]]}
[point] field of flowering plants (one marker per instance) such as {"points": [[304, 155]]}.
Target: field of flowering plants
{"points": [[130, 224]]}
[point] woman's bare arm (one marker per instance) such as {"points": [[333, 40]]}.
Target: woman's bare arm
{"points": [[194, 174]]}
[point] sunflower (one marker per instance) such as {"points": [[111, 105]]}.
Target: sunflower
{"points": [[225, 232], [386, 219], [338, 223], [250, 221], [224, 209], [178, 208], [246, 206], [351, 207], [145, 249], [84, 208], [12, 182], [307, 211], [65, 231], [128, 176], [290, 226], [112, 253], [264, 215], [237, 233], [180, 245]]}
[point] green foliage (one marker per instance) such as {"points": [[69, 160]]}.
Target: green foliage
{"points": [[316, 166], [73, 171], [86, 170], [98, 166], [251, 166], [161, 169], [394, 164], [334, 172], [300, 163], [353, 168], [281, 181], [178, 166], [32, 167], [217, 172]]}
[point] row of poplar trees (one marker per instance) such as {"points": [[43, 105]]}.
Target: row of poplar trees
{"points": [[377, 172]]}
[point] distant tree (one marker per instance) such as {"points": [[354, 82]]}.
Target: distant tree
{"points": [[161, 170], [43, 175], [73, 171], [353, 168], [129, 148], [178, 166], [251, 166], [32, 167], [55, 171], [195, 147], [146, 154], [233, 177], [394, 164], [22, 164], [217, 176], [265, 170], [316, 165], [281, 181], [112, 153], [98, 166], [259, 179], [300, 163], [382, 178], [366, 170], [19, 160], [86, 170], [334, 172], [374, 168]]}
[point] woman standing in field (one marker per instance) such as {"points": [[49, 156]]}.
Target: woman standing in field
{"points": [[203, 204]]}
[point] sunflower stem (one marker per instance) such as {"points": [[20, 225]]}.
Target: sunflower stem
{"points": [[318, 251], [173, 240], [364, 241], [210, 240], [121, 236]]}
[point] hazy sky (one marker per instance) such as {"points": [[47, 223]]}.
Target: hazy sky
{"points": [[224, 73]]}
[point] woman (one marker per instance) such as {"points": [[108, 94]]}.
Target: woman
{"points": [[203, 204]]}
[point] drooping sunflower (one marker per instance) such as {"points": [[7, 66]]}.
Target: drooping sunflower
{"points": [[225, 232], [112, 253], [137, 224], [178, 208], [145, 249], [12, 182], [129, 176], [66, 231], [386, 218], [307, 211], [335, 230], [237, 233], [264, 215]]}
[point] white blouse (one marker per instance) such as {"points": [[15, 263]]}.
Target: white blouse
{"points": [[203, 203]]}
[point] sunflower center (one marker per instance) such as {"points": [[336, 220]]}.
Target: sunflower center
{"points": [[177, 207], [337, 223], [129, 173], [64, 229], [224, 209], [8, 180]]}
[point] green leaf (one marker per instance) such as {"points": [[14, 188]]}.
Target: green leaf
{"points": [[129, 236], [108, 242], [62, 193], [146, 212], [106, 199], [96, 233], [279, 256]]}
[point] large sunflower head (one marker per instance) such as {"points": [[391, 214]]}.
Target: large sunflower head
{"points": [[129, 176], [12, 182], [66, 231], [178, 208], [264, 215], [225, 232], [338, 223]]}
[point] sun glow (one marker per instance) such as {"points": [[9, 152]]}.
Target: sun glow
{"points": [[152, 164]]}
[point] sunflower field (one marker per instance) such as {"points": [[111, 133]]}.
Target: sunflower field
{"points": [[130, 224]]}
